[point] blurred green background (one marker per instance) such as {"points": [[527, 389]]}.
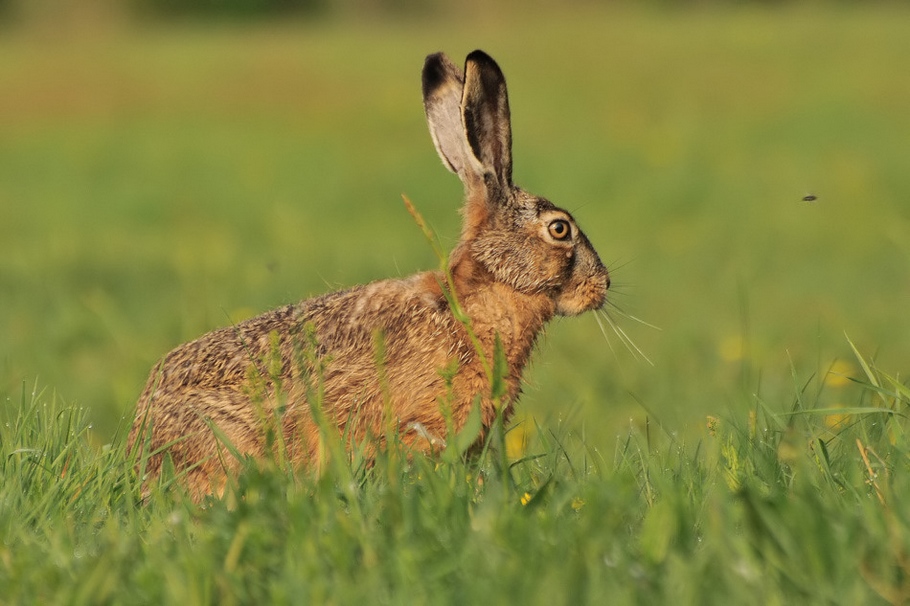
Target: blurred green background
{"points": [[164, 171]]}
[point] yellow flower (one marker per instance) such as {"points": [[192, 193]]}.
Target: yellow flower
{"points": [[732, 349], [526, 498], [578, 503], [839, 374], [837, 420], [517, 440]]}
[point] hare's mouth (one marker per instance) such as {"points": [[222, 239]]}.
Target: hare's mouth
{"points": [[589, 295]]}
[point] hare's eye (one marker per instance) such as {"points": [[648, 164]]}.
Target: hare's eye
{"points": [[560, 229]]}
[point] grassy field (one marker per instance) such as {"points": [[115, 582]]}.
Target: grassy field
{"points": [[157, 182]]}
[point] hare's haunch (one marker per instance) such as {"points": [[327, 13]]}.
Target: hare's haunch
{"points": [[520, 261]]}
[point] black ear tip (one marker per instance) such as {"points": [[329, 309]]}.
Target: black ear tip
{"points": [[433, 60], [482, 59], [434, 72]]}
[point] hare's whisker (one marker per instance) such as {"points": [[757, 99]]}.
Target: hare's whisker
{"points": [[629, 316], [626, 340], [606, 335]]}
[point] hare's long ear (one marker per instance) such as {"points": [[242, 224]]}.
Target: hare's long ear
{"points": [[485, 111], [443, 86]]}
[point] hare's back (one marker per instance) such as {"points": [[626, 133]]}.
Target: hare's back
{"points": [[345, 326]]}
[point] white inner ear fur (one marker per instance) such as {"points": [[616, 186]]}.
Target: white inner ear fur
{"points": [[447, 130], [446, 124]]}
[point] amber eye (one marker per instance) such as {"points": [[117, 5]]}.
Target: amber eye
{"points": [[560, 229]]}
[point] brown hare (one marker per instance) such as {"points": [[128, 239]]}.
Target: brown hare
{"points": [[520, 261]]}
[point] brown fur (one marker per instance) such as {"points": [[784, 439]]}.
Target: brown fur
{"points": [[510, 276]]}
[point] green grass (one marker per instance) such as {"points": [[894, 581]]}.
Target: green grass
{"points": [[769, 508], [157, 182]]}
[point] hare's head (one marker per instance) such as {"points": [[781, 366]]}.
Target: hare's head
{"points": [[510, 235]]}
